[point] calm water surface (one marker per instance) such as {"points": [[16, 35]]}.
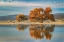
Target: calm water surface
{"points": [[32, 33]]}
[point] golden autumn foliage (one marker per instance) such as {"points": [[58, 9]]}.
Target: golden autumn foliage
{"points": [[39, 14], [20, 17], [35, 14], [47, 10]]}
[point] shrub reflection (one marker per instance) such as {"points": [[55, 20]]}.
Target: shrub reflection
{"points": [[21, 27], [40, 31]]}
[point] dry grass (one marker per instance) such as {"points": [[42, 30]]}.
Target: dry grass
{"points": [[58, 21]]}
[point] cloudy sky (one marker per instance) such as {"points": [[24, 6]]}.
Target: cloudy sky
{"points": [[11, 7]]}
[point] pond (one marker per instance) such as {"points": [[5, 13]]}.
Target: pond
{"points": [[32, 33]]}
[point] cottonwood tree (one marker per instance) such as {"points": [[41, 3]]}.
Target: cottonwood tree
{"points": [[20, 17]]}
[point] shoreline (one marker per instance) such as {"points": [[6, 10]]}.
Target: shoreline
{"points": [[16, 23]]}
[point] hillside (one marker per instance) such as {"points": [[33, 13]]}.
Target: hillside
{"points": [[13, 17], [59, 15]]}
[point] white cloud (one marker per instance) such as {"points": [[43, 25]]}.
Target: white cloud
{"points": [[31, 4], [18, 4]]}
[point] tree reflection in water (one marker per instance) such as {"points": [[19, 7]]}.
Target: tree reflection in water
{"points": [[21, 27], [39, 31]]}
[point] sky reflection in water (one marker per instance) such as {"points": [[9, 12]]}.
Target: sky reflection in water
{"points": [[33, 32]]}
